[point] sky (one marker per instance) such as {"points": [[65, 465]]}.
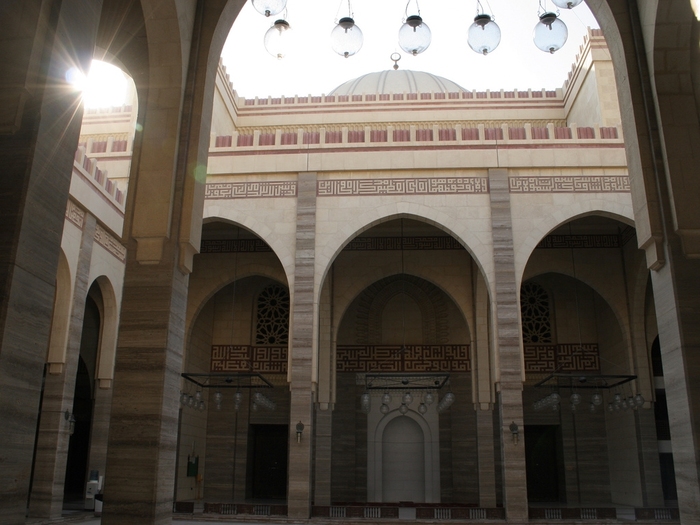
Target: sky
{"points": [[313, 68]]}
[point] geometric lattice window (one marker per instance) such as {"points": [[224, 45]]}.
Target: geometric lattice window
{"points": [[272, 327], [534, 309]]}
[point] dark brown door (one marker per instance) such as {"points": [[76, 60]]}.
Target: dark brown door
{"points": [[270, 443], [543, 463]]}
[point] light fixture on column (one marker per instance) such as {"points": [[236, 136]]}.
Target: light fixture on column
{"points": [[269, 7], [346, 36], [70, 417], [414, 35], [279, 39], [484, 35], [300, 431], [550, 33], [514, 430]]}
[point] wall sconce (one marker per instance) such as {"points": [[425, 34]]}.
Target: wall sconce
{"points": [[300, 430], [71, 421], [514, 430]]}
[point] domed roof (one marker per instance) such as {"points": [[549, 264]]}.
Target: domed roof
{"points": [[397, 81]]}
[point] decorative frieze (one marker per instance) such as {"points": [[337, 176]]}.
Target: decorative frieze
{"points": [[109, 243], [570, 184], [234, 246], [413, 358], [580, 241], [75, 214], [417, 186], [562, 358], [250, 190], [247, 358], [442, 242]]}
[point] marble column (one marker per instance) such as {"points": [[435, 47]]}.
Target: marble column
{"points": [[487, 467], [507, 344], [325, 396], [301, 359], [53, 437], [40, 122], [141, 454]]}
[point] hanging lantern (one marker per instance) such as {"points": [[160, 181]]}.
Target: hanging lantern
{"points": [[403, 409], [596, 399], [428, 398], [346, 37], [407, 398], [414, 35], [422, 408], [270, 7], [484, 35], [566, 4], [386, 398], [278, 39], [384, 409], [550, 33]]}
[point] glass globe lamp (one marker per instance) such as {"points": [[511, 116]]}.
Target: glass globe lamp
{"points": [[566, 4], [384, 409], [403, 409], [550, 33], [414, 35], [428, 398], [575, 399], [596, 399], [346, 37], [183, 398], [278, 39], [639, 400], [484, 35], [386, 398], [422, 408], [270, 7], [407, 398]]}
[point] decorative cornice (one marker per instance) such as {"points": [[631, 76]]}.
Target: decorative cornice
{"points": [[419, 186], [250, 190], [571, 184]]}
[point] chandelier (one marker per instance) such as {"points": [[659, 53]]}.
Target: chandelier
{"points": [[225, 380], [619, 398], [414, 35], [427, 383]]}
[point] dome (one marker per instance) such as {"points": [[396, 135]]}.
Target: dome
{"points": [[397, 81]]}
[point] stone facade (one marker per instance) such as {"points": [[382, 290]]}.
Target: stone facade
{"points": [[403, 227]]}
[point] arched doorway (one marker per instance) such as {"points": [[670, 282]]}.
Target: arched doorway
{"points": [[403, 461]]}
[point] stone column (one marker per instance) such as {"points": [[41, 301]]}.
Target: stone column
{"points": [[53, 437], [487, 472], [40, 122], [507, 343], [301, 359], [325, 396], [482, 385]]}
